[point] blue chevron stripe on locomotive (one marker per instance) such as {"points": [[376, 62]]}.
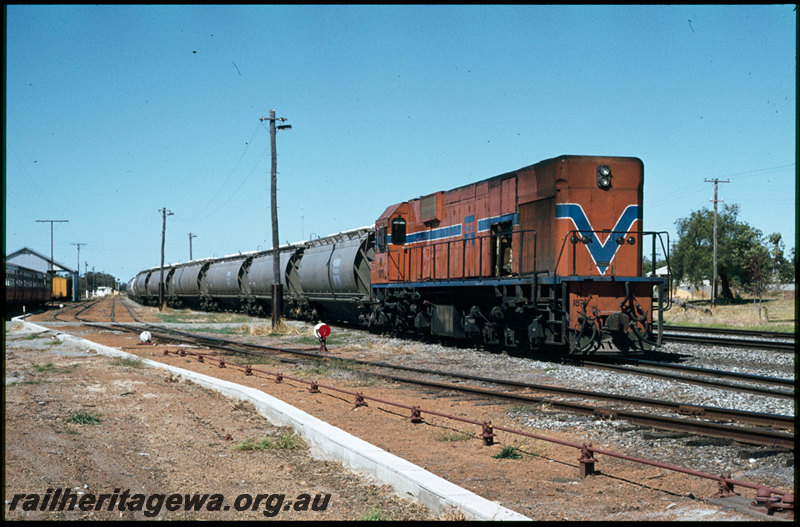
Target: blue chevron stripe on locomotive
{"points": [[600, 251]]}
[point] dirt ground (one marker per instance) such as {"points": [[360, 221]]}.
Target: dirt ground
{"points": [[160, 436]]}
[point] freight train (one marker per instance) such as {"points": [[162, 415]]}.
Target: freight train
{"points": [[546, 256]]}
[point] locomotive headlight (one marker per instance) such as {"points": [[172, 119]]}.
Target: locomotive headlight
{"points": [[604, 177]]}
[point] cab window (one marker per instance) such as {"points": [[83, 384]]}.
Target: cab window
{"points": [[380, 241], [398, 231]]}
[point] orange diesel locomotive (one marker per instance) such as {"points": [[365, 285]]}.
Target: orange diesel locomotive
{"points": [[547, 255]]}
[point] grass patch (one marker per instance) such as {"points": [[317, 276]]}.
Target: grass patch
{"points": [[36, 336], [451, 435], [71, 432], [266, 330], [320, 370], [183, 316], [84, 418], [285, 441], [255, 359], [51, 368], [129, 362], [778, 315], [44, 367], [219, 331], [508, 452], [375, 514]]}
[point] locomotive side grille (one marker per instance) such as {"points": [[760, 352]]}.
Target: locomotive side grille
{"points": [[427, 207]]}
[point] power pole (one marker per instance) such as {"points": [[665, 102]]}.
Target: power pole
{"points": [[164, 213], [716, 182], [190, 244], [277, 288], [78, 272], [52, 268]]}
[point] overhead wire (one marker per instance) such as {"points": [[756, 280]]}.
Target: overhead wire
{"points": [[213, 198], [245, 180], [693, 188]]}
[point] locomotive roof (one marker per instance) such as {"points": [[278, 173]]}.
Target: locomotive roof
{"points": [[536, 165]]}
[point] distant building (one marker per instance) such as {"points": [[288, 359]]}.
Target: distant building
{"points": [[102, 291], [38, 262], [31, 259]]}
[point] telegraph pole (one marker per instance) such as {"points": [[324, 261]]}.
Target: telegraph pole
{"points": [[52, 268], [277, 288], [190, 244], [716, 182], [164, 213], [78, 271]]}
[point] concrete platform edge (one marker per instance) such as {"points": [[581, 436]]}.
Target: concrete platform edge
{"points": [[329, 442]]}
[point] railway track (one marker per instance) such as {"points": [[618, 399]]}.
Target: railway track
{"points": [[770, 340], [772, 430], [765, 429], [712, 378], [758, 436], [497, 402]]}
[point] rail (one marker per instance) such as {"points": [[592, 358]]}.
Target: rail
{"points": [[768, 500]]}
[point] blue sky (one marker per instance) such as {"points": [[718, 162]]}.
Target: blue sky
{"points": [[115, 112]]}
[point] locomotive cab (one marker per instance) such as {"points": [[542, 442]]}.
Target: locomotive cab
{"points": [[391, 234]]}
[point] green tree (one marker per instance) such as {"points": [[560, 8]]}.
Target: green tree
{"points": [[743, 256], [757, 265], [783, 267], [93, 280]]}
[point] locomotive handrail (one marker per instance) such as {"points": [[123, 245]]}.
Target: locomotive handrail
{"points": [[415, 254], [572, 237]]}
